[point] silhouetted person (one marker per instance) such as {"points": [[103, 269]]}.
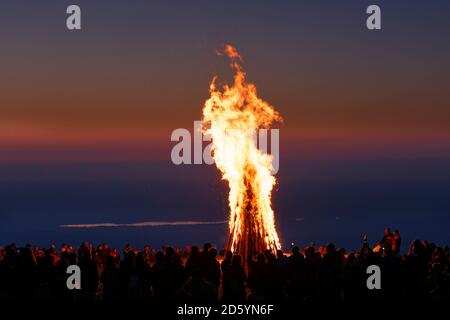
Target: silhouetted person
{"points": [[160, 277], [353, 279], [295, 270], [212, 268], [234, 279], [415, 270], [312, 268], [274, 282], [111, 280], [198, 289], [177, 275], [194, 260], [89, 275], [61, 276], [329, 274], [396, 242], [226, 262], [204, 255], [26, 273], [139, 284], [387, 238], [257, 278]]}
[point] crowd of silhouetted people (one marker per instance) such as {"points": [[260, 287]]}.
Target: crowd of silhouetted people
{"points": [[204, 274]]}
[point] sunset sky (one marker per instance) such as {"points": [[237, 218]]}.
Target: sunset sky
{"points": [[100, 104]]}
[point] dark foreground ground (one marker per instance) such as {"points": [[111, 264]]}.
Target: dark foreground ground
{"points": [[309, 275]]}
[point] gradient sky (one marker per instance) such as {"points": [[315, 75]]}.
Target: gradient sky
{"points": [[357, 104]]}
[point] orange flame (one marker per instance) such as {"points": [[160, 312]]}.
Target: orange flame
{"points": [[231, 117]]}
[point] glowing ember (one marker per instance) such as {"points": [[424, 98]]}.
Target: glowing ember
{"points": [[231, 117]]}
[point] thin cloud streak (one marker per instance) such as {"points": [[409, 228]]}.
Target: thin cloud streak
{"points": [[142, 224]]}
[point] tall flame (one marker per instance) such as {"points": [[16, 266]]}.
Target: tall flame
{"points": [[231, 117]]}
